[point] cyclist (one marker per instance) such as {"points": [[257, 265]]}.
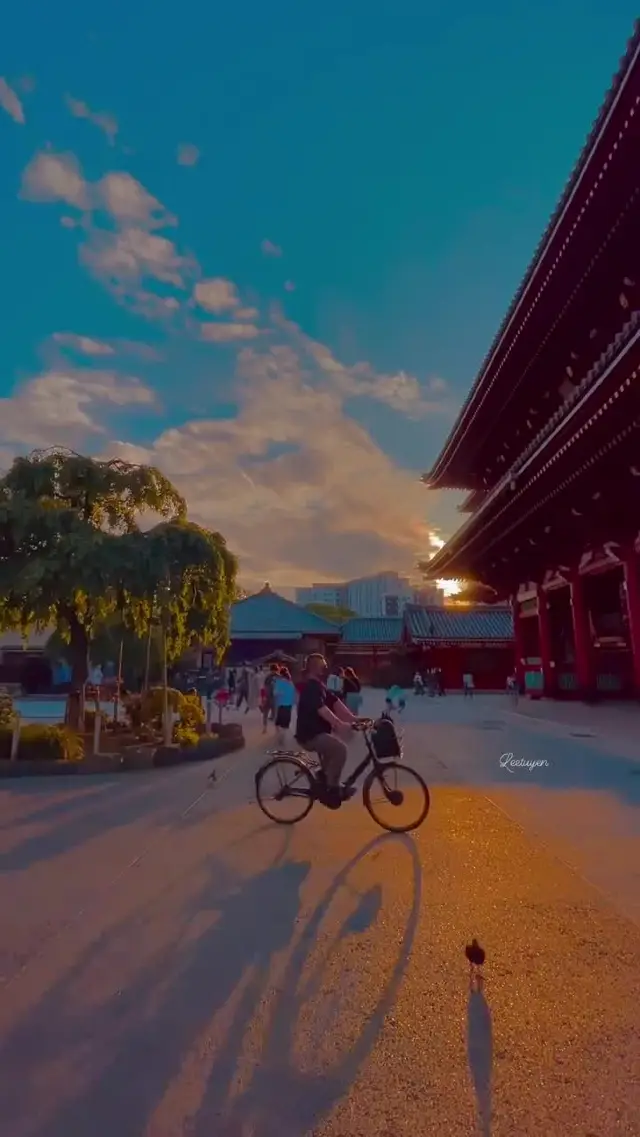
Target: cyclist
{"points": [[322, 717]]}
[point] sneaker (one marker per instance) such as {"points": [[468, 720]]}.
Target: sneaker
{"points": [[347, 792]]}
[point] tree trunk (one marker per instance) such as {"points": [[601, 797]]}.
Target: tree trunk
{"points": [[79, 661]]}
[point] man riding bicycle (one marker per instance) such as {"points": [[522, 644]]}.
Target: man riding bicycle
{"points": [[322, 717]]}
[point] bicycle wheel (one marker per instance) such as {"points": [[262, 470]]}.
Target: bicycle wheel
{"points": [[398, 786], [286, 783]]}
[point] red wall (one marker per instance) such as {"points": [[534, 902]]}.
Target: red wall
{"points": [[489, 666]]}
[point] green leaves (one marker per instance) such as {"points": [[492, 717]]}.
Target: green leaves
{"points": [[73, 553]]}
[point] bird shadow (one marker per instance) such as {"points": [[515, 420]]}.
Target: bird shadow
{"points": [[480, 1051]]}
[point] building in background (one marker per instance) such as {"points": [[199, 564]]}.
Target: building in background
{"points": [[333, 595], [384, 594]]}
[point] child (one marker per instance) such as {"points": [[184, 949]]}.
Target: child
{"points": [[395, 697]]}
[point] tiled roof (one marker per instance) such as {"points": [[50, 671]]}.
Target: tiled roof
{"points": [[267, 613], [490, 623], [375, 630]]}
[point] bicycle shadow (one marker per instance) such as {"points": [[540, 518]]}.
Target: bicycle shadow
{"points": [[480, 1052], [129, 1044], [280, 1097]]}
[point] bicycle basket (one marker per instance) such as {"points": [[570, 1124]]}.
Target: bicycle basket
{"points": [[385, 739]]}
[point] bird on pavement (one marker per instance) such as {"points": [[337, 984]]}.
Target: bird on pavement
{"points": [[475, 954]]}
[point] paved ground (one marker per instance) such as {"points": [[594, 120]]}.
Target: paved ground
{"points": [[173, 965]]}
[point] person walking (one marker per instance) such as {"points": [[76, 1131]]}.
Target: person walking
{"points": [[243, 687], [352, 692], [253, 691], [284, 695], [268, 702]]}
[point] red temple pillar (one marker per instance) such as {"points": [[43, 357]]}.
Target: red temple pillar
{"points": [[546, 651], [582, 638], [631, 566], [518, 635]]}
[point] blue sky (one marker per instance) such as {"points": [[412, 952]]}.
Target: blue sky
{"points": [[268, 250]]}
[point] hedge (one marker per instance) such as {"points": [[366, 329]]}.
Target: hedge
{"points": [[41, 742]]}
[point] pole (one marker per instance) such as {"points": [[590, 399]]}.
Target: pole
{"points": [[165, 696], [97, 722], [15, 737], [147, 665], [116, 701]]}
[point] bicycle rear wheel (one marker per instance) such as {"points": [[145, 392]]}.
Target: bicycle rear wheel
{"points": [[285, 790], [392, 788]]}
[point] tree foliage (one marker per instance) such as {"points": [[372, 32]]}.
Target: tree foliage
{"points": [[74, 554]]}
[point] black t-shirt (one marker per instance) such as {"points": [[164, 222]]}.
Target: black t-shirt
{"points": [[313, 696], [351, 685]]}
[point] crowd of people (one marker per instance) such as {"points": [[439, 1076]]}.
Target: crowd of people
{"points": [[273, 693]]}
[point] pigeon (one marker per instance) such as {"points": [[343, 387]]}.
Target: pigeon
{"points": [[475, 954]]}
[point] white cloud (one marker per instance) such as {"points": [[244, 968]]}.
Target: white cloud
{"points": [[126, 255], [270, 250], [10, 103], [129, 203], [58, 407], [55, 177], [216, 295], [298, 488], [289, 286], [401, 392], [133, 254], [107, 123], [188, 154], [83, 345], [246, 314], [228, 333]]}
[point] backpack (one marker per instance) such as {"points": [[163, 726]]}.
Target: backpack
{"points": [[384, 738]]}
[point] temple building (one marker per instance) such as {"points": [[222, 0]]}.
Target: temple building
{"points": [[383, 650], [266, 623], [547, 444]]}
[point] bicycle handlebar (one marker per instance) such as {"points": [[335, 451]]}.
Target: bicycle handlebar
{"points": [[363, 724]]}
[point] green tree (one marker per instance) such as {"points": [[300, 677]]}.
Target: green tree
{"points": [[73, 555], [331, 612]]}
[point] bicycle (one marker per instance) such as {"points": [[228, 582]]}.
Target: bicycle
{"points": [[306, 784]]}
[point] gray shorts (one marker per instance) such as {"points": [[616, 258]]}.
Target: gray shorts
{"points": [[328, 747]]}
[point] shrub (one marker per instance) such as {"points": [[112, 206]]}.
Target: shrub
{"points": [[191, 713], [39, 742], [185, 735], [6, 709]]}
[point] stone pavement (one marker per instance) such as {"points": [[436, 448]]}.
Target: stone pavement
{"points": [[175, 965]]}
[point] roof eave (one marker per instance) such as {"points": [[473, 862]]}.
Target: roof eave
{"points": [[438, 476]]}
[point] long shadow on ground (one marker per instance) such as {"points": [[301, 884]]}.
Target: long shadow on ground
{"points": [[70, 1069]]}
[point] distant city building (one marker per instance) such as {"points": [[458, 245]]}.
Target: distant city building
{"points": [[384, 594], [331, 594]]}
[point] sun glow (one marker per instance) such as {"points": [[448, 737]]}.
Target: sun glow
{"points": [[449, 587]]}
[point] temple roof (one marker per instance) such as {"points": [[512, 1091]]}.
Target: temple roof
{"points": [[372, 630], [268, 615], [428, 624], [587, 216]]}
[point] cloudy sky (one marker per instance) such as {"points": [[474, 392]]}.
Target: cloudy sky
{"points": [[266, 248]]}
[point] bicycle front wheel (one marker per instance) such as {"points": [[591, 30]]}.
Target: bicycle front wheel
{"points": [[396, 797], [285, 790]]}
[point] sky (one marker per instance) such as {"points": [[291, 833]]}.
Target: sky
{"points": [[267, 248]]}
